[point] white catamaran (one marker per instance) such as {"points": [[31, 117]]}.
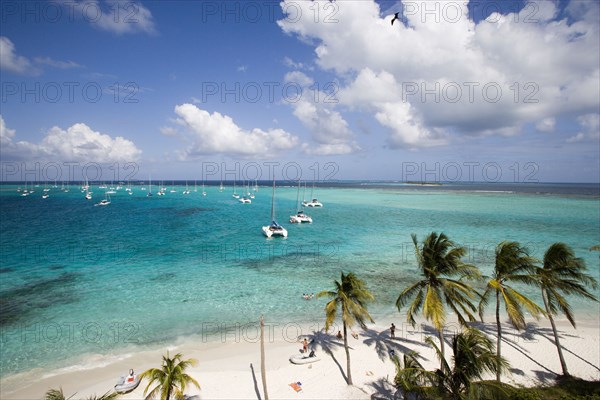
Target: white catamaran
{"points": [[300, 217], [314, 202], [274, 229]]}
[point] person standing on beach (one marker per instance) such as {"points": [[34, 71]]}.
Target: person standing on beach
{"points": [[305, 346], [393, 331]]}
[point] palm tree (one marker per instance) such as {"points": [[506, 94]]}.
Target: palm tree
{"points": [[58, 394], [563, 274], [411, 376], [352, 296], [513, 264], [170, 379], [263, 368], [440, 260], [473, 356]]}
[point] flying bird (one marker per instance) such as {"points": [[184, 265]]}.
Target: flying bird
{"points": [[395, 17]]}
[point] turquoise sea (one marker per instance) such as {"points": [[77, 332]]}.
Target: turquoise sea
{"points": [[78, 280]]}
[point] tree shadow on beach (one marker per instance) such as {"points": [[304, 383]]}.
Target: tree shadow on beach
{"points": [[529, 334], [382, 389], [547, 334], [431, 331], [255, 382], [384, 343], [545, 377], [327, 343]]}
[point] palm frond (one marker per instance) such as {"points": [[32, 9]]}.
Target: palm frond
{"points": [[54, 394]]}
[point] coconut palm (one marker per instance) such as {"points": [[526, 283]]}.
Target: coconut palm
{"points": [[171, 379], [563, 274], [512, 264], [351, 296], [439, 260], [411, 377], [55, 394], [58, 394], [473, 357]]}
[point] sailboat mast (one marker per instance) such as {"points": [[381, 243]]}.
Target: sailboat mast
{"points": [[273, 201], [298, 197]]}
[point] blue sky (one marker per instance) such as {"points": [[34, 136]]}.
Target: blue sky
{"points": [[178, 87]]}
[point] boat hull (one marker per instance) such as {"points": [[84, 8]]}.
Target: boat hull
{"points": [[303, 359], [125, 387], [269, 232]]}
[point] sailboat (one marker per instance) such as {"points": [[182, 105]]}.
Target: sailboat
{"points": [[221, 187], [128, 188], [161, 191], [105, 201], [46, 190], [173, 190], [203, 191], [314, 202], [149, 194], [235, 195], [88, 194], [195, 186], [300, 217], [187, 190], [274, 229]]}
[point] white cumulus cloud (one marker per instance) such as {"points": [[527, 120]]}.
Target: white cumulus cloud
{"points": [[590, 128], [218, 133], [76, 143], [441, 76], [11, 61]]}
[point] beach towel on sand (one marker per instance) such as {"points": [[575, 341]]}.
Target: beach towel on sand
{"points": [[297, 386]]}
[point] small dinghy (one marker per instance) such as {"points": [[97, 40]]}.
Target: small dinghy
{"points": [[304, 358], [127, 383]]}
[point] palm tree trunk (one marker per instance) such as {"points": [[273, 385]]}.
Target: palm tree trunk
{"points": [[263, 372], [348, 372], [499, 339], [442, 347], [563, 364]]}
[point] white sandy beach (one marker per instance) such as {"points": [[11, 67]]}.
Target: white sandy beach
{"points": [[231, 370]]}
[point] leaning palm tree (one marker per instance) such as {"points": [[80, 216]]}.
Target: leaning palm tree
{"points": [[439, 260], [563, 274], [513, 264], [171, 379], [352, 296]]}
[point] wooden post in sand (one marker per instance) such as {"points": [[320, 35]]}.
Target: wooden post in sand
{"points": [[263, 372]]}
